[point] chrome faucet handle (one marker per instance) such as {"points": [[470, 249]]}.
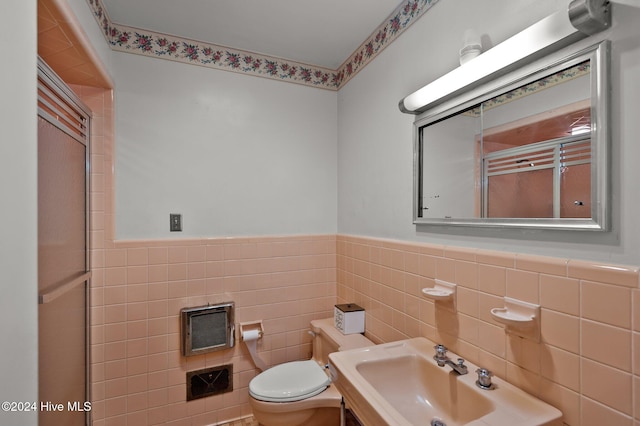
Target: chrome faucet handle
{"points": [[484, 378], [441, 355], [441, 352]]}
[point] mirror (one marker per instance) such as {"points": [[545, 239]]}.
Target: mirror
{"points": [[526, 150]]}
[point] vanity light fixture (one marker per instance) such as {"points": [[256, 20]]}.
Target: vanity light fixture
{"points": [[583, 18]]}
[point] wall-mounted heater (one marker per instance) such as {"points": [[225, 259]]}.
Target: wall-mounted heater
{"points": [[583, 18], [207, 328]]}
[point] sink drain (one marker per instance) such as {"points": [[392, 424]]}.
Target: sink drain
{"points": [[437, 422]]}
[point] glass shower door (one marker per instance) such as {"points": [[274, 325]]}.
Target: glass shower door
{"points": [[63, 267]]}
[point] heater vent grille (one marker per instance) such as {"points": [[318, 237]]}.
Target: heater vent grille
{"points": [[210, 381], [207, 328]]}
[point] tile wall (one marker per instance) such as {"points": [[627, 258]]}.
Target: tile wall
{"points": [[588, 360], [139, 287], [138, 367]]}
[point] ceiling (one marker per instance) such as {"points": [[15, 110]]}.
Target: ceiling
{"points": [[322, 33], [62, 47]]}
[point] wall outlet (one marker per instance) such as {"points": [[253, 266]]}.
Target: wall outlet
{"points": [[175, 222]]}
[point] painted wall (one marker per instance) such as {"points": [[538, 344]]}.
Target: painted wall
{"points": [[375, 139], [235, 155], [18, 249], [220, 148]]}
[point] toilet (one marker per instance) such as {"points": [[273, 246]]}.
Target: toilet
{"points": [[300, 392]]}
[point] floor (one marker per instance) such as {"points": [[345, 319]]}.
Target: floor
{"points": [[350, 420], [247, 421]]}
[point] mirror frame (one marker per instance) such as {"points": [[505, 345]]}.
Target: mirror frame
{"points": [[599, 56]]}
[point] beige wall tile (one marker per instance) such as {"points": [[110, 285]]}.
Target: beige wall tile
{"points": [[427, 266], [137, 293], [496, 258], [466, 274], [636, 401], [560, 330], [595, 414], [460, 253], [137, 256], [606, 344], [524, 353], [561, 367], [542, 264], [115, 257], [563, 399], [158, 255], [492, 339], [114, 295], [467, 301], [177, 254], [492, 279], [486, 302], [468, 329], [606, 303], [115, 276], [446, 269], [560, 294], [432, 250], [137, 275], [607, 385], [523, 285], [496, 364], [524, 379], [626, 276], [636, 310], [158, 273], [412, 262]]}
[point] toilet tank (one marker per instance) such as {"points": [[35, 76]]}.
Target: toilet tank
{"points": [[329, 339]]}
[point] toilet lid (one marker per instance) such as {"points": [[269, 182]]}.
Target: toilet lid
{"points": [[291, 381]]}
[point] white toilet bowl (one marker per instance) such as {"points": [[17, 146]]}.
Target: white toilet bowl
{"points": [[300, 392]]}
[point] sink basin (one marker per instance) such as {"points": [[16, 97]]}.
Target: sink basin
{"points": [[400, 384], [416, 388]]}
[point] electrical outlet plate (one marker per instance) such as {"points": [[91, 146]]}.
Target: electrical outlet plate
{"points": [[175, 222]]}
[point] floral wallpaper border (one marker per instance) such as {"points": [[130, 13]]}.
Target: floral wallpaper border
{"points": [[143, 42]]}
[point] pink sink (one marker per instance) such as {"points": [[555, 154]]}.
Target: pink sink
{"points": [[400, 384]]}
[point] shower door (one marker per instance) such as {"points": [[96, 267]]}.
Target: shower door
{"points": [[63, 262]]}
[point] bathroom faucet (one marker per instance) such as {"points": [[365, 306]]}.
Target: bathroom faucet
{"points": [[442, 359]]}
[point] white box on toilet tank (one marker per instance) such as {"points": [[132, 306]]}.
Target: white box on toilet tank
{"points": [[349, 318]]}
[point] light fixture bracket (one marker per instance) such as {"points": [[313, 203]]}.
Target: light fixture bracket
{"points": [[590, 16]]}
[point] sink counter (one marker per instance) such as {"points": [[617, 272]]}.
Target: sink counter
{"points": [[400, 384]]}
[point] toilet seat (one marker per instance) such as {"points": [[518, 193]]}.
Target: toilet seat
{"points": [[291, 381]]}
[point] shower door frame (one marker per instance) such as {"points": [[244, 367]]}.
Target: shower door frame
{"points": [[49, 81]]}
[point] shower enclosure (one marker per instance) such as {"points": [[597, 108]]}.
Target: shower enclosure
{"points": [[63, 247]]}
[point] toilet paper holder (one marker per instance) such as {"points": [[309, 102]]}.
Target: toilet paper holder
{"points": [[251, 333], [246, 327]]}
